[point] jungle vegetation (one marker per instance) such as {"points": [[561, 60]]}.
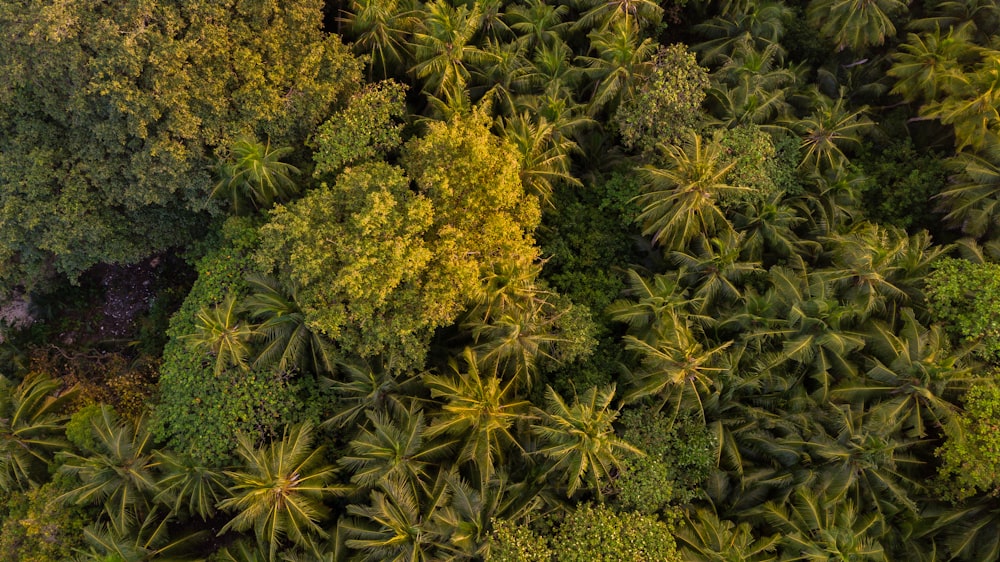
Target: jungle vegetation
{"points": [[512, 280]]}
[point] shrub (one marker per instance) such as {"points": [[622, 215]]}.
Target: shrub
{"points": [[966, 297]]}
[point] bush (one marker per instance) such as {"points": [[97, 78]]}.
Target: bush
{"points": [[198, 412], [587, 534], [966, 297], [971, 460], [902, 182], [36, 528], [595, 534], [668, 103], [679, 457]]}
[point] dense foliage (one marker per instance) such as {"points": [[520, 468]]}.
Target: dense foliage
{"points": [[499, 280]]}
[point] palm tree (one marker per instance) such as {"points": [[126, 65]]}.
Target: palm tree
{"points": [[544, 155], [913, 380], [552, 72], [814, 526], [31, 419], [444, 47], [397, 524], [971, 200], [289, 342], [621, 59], [220, 333], [502, 77], [929, 65], [763, 24], [712, 268], [706, 537], [832, 202], [150, 540], [828, 131], [370, 386], [280, 489], [254, 172], [394, 446], [579, 440], [864, 266], [480, 412], [676, 367], [751, 87], [655, 306], [381, 27], [973, 109], [538, 23], [983, 15], [466, 521], [605, 13], [858, 461], [769, 236], [970, 531], [681, 201], [855, 24], [813, 331], [119, 473], [515, 343], [186, 487], [493, 27]]}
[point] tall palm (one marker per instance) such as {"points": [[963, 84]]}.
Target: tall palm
{"points": [[706, 537], [579, 440], [621, 58], [397, 524], [150, 539], [552, 71], [119, 473], [493, 22], [538, 23], [680, 201], [221, 333], [381, 28], [971, 201], [814, 526], [516, 343], [604, 13], [394, 446], [769, 232], [973, 109], [714, 270], [751, 86], [832, 202], [814, 331], [655, 306], [369, 386], [481, 412], [502, 77], [288, 340], [984, 15], [763, 24], [860, 462], [253, 172], [444, 47], [913, 380], [280, 489], [828, 131], [929, 65], [544, 155], [677, 367], [864, 266], [186, 487], [855, 24], [31, 419]]}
